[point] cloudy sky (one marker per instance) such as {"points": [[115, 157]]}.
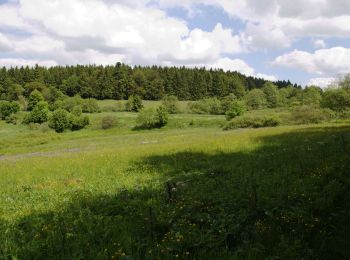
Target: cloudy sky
{"points": [[306, 41]]}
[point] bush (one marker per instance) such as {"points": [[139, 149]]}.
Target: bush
{"points": [[68, 103], [252, 122], [39, 114], [171, 104], [34, 98], [12, 119], [90, 106], [134, 104], [148, 118], [161, 117], [210, 106], [310, 115], [108, 122], [77, 111], [8, 108], [236, 108], [256, 99], [60, 120], [336, 99], [226, 102], [79, 122]]}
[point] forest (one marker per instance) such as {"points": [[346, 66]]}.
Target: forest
{"points": [[121, 81]]}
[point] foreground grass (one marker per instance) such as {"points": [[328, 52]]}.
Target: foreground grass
{"points": [[192, 193]]}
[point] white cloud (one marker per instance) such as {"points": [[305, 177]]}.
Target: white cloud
{"points": [[267, 77], [322, 82], [5, 43], [331, 61], [112, 28], [10, 17], [13, 62], [319, 44], [277, 23], [227, 64]]}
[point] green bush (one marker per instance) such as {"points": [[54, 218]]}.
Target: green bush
{"points": [[60, 120], [34, 98], [171, 104], [8, 108], [236, 108], [148, 118], [108, 122], [310, 115], [210, 106], [90, 105], [68, 103], [79, 122], [12, 119], [134, 104], [252, 122], [77, 111], [336, 99], [161, 117], [39, 114], [226, 102], [256, 99]]}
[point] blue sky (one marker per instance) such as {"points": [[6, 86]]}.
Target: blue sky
{"points": [[306, 41]]}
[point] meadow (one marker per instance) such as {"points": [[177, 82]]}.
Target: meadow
{"points": [[186, 191]]}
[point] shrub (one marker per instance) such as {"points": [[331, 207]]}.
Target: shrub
{"points": [[8, 108], [171, 104], [226, 102], [148, 118], [161, 117], [90, 106], [210, 106], [134, 104], [12, 119], [145, 119], [60, 120], [236, 108], [44, 127], [252, 122], [336, 99], [108, 122], [68, 103], [79, 122], [34, 98], [39, 114], [310, 115], [77, 111], [256, 99], [272, 94]]}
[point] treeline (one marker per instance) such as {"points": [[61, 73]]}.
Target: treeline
{"points": [[121, 81]]}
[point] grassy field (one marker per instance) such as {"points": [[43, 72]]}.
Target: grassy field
{"points": [[186, 191]]}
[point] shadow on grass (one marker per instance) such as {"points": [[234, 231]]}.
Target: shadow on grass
{"points": [[288, 199]]}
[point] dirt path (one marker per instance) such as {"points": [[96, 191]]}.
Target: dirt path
{"points": [[38, 154]]}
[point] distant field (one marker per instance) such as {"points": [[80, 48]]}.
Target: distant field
{"points": [[189, 191]]}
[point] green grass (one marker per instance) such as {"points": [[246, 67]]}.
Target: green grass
{"points": [[188, 191]]}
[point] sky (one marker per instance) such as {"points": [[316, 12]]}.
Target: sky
{"points": [[305, 41]]}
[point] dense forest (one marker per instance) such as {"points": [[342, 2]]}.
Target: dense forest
{"points": [[121, 81]]}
